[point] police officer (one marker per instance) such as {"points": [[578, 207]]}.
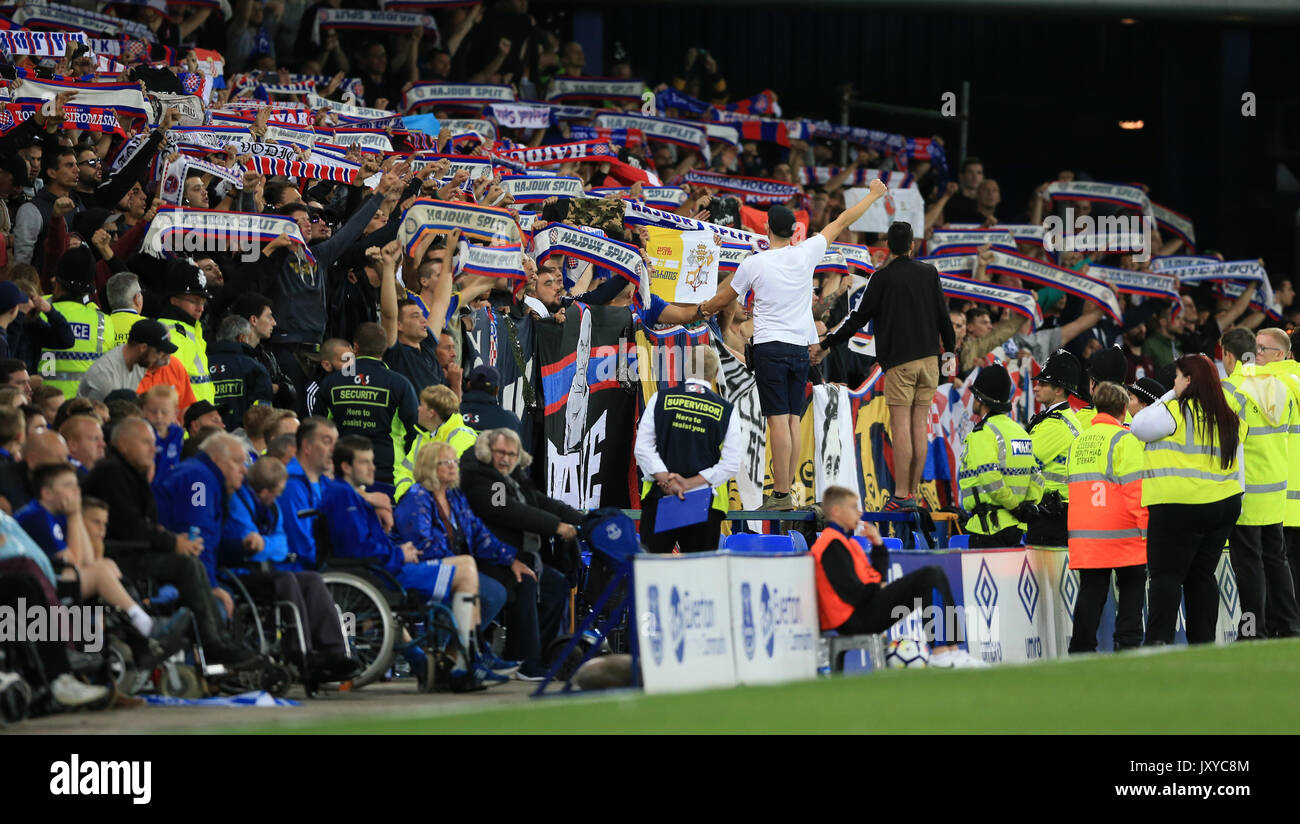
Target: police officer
{"points": [[1106, 366], [92, 337], [1107, 524], [238, 380], [1000, 482], [186, 302], [1053, 431], [1256, 545], [688, 437], [368, 399]]}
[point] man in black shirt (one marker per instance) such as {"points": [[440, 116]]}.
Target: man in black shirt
{"points": [[962, 207], [415, 354], [906, 302]]}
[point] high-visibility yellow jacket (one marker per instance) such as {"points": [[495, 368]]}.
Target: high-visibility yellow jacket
{"points": [[1184, 467], [65, 368], [453, 431], [1263, 401], [192, 351], [1289, 372], [1052, 436], [998, 473]]}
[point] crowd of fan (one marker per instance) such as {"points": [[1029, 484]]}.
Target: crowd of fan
{"points": [[218, 369]]}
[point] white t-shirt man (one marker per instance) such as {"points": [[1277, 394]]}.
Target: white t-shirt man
{"points": [[782, 280]]}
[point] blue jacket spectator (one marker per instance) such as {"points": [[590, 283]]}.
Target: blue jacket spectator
{"points": [[305, 487], [417, 520], [246, 514], [194, 494], [354, 528]]}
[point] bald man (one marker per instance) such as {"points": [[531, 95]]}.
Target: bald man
{"points": [[16, 489]]}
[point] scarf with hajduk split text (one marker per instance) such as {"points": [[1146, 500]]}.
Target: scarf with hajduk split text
{"points": [[751, 189], [594, 248], [1047, 274], [185, 230], [485, 224]]}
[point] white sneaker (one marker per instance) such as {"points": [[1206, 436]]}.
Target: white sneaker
{"points": [[70, 692], [957, 659]]}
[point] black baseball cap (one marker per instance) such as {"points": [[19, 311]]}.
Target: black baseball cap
{"points": [[153, 333], [485, 378], [198, 409], [780, 221]]}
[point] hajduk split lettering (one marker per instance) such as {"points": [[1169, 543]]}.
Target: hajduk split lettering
{"points": [[1176, 224], [677, 132], [964, 242], [369, 20], [952, 264], [751, 189], [1117, 194], [560, 238], [482, 223], [476, 166], [1133, 282], [187, 231], [457, 95], [580, 151], [857, 257], [1047, 274], [639, 214], [1021, 301], [40, 43], [535, 189], [594, 88], [660, 197], [490, 261]]}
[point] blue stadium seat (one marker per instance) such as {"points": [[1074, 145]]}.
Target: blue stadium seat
{"points": [[745, 542], [892, 543], [959, 542]]}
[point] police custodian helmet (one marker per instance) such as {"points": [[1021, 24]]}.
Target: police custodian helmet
{"points": [[1064, 370], [993, 388]]}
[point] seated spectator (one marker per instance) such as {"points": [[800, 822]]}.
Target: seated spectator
{"points": [[159, 409], [281, 422], [49, 398], [13, 434], [202, 415], [13, 372], [194, 496], [147, 346], [85, 438], [142, 547], [308, 468], [436, 518], [254, 429], [16, 488], [253, 532], [481, 406], [54, 522], [355, 531], [850, 597], [94, 513], [439, 421], [526, 520], [283, 448]]}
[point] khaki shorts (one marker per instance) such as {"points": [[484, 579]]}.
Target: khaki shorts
{"points": [[912, 383]]}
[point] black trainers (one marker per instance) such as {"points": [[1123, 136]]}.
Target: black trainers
{"points": [[231, 655]]}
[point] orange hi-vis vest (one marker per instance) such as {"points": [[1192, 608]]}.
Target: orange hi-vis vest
{"points": [[1107, 522], [832, 611]]}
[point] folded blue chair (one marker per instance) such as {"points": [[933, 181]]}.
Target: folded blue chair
{"points": [[959, 542], [747, 542]]}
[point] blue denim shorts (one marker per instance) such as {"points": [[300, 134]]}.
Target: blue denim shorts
{"points": [[781, 372]]}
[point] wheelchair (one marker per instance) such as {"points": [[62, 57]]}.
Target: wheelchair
{"points": [[377, 611], [263, 625]]}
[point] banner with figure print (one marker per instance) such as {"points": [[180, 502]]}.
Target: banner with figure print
{"points": [[588, 400]]}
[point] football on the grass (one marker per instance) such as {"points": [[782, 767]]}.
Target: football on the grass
{"points": [[906, 652]]}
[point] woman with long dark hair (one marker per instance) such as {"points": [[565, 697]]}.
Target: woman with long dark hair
{"points": [[1192, 484]]}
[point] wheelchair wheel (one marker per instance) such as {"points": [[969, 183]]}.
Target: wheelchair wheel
{"points": [[15, 698], [121, 666], [370, 621], [276, 679], [179, 681]]}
